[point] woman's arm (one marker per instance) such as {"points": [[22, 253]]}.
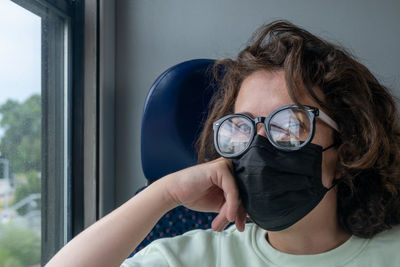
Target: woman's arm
{"points": [[206, 187]]}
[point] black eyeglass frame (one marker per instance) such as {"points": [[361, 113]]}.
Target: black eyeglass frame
{"points": [[312, 112]]}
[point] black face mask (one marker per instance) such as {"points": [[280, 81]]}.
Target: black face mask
{"points": [[279, 188]]}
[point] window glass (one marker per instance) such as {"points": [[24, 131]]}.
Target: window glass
{"points": [[20, 136]]}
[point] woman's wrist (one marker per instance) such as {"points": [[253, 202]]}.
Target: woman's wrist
{"points": [[163, 187]]}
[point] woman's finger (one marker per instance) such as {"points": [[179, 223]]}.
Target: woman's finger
{"points": [[231, 192], [220, 221], [241, 218]]}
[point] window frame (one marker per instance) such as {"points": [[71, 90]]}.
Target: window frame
{"points": [[62, 110], [69, 206]]}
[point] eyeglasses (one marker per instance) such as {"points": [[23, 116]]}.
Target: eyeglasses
{"points": [[288, 128]]}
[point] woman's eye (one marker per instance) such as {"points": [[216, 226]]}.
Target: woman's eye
{"points": [[294, 125], [243, 128]]}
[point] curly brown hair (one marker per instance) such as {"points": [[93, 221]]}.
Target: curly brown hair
{"points": [[368, 139]]}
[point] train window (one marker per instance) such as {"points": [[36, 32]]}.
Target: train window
{"points": [[35, 130], [20, 130]]}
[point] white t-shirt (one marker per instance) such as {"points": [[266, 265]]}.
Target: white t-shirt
{"points": [[232, 248]]}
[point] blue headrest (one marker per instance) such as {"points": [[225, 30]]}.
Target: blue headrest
{"points": [[173, 116]]}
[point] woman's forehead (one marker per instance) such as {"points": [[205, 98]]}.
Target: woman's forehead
{"points": [[264, 91]]}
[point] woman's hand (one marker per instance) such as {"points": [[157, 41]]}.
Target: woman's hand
{"points": [[208, 187]]}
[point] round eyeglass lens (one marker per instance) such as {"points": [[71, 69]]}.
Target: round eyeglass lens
{"points": [[234, 134], [289, 128]]}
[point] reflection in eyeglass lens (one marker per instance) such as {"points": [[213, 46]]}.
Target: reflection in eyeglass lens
{"points": [[234, 135], [290, 127]]}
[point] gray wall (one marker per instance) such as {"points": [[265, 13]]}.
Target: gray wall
{"points": [[153, 35]]}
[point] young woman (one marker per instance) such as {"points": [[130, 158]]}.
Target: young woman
{"points": [[303, 140]]}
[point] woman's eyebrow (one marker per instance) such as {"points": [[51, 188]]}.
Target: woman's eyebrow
{"points": [[247, 113]]}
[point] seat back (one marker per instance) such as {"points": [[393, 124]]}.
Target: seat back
{"points": [[173, 116]]}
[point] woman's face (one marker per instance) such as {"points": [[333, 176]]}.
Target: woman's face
{"points": [[263, 92]]}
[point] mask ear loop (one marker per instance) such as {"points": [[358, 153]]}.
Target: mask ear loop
{"points": [[335, 143], [335, 181], [324, 149]]}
